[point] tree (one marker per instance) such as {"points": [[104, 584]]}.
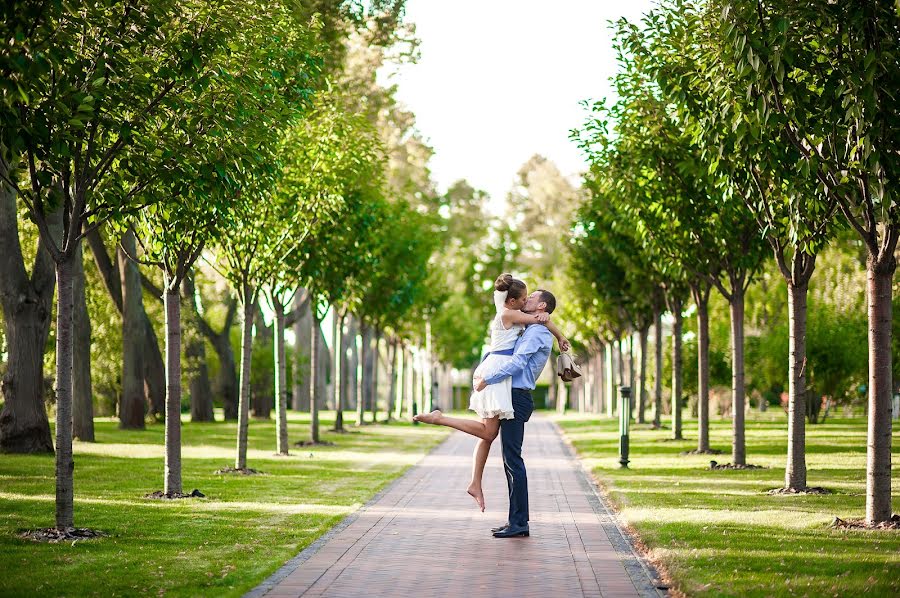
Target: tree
{"points": [[741, 144], [142, 371], [331, 154], [690, 218], [616, 270], [400, 279], [80, 85], [825, 75], [27, 306]]}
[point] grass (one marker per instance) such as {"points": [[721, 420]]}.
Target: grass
{"points": [[221, 545], [717, 533]]}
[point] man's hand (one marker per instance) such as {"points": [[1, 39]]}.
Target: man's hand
{"points": [[478, 383]]}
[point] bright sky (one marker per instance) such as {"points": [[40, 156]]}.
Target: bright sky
{"points": [[499, 81]]}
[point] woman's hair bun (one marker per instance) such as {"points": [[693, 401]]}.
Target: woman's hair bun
{"points": [[503, 282]]}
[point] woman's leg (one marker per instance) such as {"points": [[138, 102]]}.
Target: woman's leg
{"points": [[479, 429], [479, 459]]}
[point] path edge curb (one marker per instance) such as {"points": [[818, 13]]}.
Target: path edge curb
{"points": [[646, 579], [307, 553]]}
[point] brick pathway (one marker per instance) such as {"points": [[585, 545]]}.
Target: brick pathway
{"points": [[424, 535]]}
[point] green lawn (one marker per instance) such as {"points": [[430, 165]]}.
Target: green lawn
{"points": [[223, 545], [718, 534]]}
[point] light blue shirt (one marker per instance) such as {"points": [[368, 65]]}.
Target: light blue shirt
{"points": [[528, 360]]}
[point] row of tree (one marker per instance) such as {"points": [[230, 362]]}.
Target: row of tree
{"points": [[742, 130], [251, 137]]}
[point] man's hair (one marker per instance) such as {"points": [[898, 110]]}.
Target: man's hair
{"points": [[548, 298]]}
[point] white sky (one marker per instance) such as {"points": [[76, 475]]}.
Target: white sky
{"points": [[499, 81]]}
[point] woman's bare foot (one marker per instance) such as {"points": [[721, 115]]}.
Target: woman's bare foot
{"points": [[429, 418], [476, 493]]}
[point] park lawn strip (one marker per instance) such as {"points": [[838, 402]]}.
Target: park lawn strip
{"points": [[717, 533], [222, 545]]}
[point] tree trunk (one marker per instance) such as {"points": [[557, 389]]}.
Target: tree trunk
{"points": [[676, 369], [620, 362], [795, 470], [195, 352], [262, 394], [610, 382], [24, 427], [65, 465], [414, 388], [248, 309], [553, 390], [350, 367], [323, 365], [553, 396], [132, 407], [314, 383], [172, 303], [599, 360], [226, 384], [405, 378], [394, 372], [27, 308], [738, 445], [302, 362], [879, 276], [368, 366], [376, 359], [642, 379], [337, 379], [280, 379], [227, 380], [153, 370], [658, 371], [82, 395], [631, 362], [151, 363], [701, 298]]}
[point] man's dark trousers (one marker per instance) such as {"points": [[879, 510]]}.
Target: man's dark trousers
{"points": [[512, 432]]}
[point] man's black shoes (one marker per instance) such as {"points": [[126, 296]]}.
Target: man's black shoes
{"points": [[512, 532], [494, 530]]}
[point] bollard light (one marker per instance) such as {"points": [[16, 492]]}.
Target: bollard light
{"points": [[624, 421]]}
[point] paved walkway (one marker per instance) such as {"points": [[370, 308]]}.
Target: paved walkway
{"points": [[424, 535]]}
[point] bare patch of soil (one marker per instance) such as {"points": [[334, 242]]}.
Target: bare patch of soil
{"points": [[893, 523], [235, 470], [54, 535], [311, 443], [160, 495], [799, 492], [714, 465]]}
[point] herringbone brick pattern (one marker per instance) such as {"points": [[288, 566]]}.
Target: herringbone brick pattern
{"points": [[425, 536]]}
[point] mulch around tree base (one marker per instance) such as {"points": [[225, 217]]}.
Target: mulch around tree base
{"points": [[244, 471], [892, 523], [706, 452], [159, 494], [714, 465], [311, 443], [54, 535], [799, 492]]}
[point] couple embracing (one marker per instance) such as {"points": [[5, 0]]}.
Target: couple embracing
{"points": [[521, 339]]}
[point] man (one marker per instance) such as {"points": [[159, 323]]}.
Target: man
{"points": [[529, 358]]}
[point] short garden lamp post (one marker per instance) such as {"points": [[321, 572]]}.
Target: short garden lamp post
{"points": [[624, 421]]}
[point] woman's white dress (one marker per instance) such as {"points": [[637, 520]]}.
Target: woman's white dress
{"points": [[496, 399]]}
